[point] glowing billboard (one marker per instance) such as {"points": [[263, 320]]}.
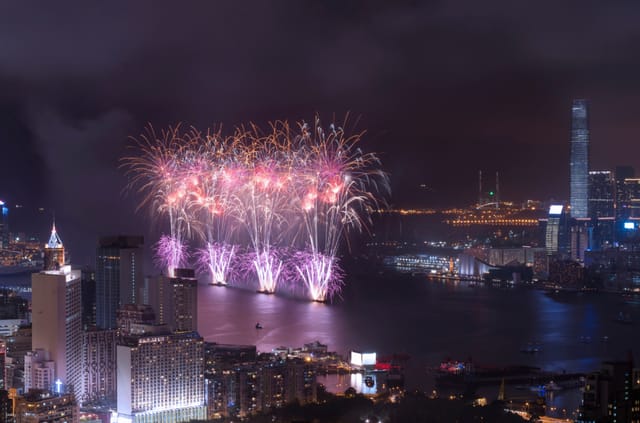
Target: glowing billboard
{"points": [[363, 359], [629, 225], [555, 209]]}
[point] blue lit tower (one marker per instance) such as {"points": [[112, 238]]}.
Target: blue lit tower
{"points": [[579, 162], [4, 225]]}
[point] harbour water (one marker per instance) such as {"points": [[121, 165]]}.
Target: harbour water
{"points": [[432, 321]]}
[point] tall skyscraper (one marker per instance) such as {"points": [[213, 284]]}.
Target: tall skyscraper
{"points": [[56, 311], [579, 162], [119, 276]]}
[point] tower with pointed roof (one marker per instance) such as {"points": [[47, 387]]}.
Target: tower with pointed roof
{"points": [[53, 251], [56, 315]]}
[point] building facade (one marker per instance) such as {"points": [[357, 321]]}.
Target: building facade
{"points": [[99, 366], [161, 378], [119, 276], [579, 160], [57, 322]]}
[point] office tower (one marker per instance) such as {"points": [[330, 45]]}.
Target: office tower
{"points": [[44, 406], [601, 193], [56, 311], [119, 275], [160, 377], [54, 251], [4, 225], [175, 300], [88, 277], [557, 239], [99, 366], [579, 162]]}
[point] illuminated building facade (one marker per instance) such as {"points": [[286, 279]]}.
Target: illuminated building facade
{"points": [[556, 237], [43, 406], [57, 322], [99, 366], [119, 276], [160, 378], [579, 161]]}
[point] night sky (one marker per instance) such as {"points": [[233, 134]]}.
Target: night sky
{"points": [[443, 89]]}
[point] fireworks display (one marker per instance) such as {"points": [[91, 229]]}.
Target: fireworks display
{"points": [[272, 206]]}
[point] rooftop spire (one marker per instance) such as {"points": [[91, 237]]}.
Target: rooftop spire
{"points": [[54, 239]]}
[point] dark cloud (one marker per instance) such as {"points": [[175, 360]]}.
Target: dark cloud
{"points": [[444, 88]]}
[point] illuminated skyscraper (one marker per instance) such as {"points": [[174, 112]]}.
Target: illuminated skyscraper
{"points": [[161, 378], [119, 276], [56, 311], [579, 162]]}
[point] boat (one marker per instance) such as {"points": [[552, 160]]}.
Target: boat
{"points": [[258, 325]]}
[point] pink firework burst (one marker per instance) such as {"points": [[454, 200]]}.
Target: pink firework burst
{"points": [[170, 254]]}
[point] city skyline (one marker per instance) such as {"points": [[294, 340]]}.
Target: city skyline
{"points": [[442, 91]]}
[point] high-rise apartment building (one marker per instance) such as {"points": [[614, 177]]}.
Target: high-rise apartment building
{"points": [[39, 370], [119, 276], [579, 161], [161, 377]]}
